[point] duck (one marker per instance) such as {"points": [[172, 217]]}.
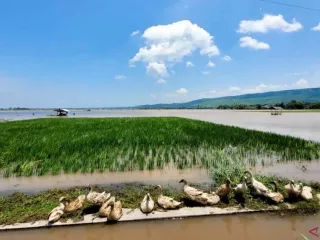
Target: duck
{"points": [[306, 192], [224, 189], [259, 187], [275, 196], [293, 190], [208, 198], [191, 192], [111, 209], [57, 212], [147, 204], [74, 205], [198, 195], [116, 210], [102, 198], [167, 202], [96, 197], [242, 188]]}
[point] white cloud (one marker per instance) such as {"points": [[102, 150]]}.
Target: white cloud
{"points": [[205, 73], [119, 77], [189, 64], [253, 43], [153, 95], [211, 64], [161, 81], [171, 43], [316, 28], [182, 91], [227, 58], [157, 69], [268, 23], [134, 33], [234, 89], [302, 83]]}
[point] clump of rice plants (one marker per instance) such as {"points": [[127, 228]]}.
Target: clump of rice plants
{"points": [[52, 146]]}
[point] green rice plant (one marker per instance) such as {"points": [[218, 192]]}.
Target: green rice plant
{"points": [[53, 146]]}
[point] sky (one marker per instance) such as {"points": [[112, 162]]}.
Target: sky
{"points": [[115, 53]]}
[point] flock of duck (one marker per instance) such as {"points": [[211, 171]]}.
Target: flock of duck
{"points": [[112, 209]]}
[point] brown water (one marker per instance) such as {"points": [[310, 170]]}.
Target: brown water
{"points": [[167, 176], [248, 226]]}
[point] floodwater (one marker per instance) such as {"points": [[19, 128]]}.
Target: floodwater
{"points": [[244, 226], [303, 124], [168, 176]]}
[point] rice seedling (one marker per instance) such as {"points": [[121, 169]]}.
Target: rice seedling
{"points": [[52, 146]]}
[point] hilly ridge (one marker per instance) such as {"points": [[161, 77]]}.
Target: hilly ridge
{"points": [[285, 96]]}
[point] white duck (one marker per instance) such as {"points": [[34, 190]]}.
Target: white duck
{"points": [[293, 190], [167, 202], [96, 197], [198, 195], [306, 192], [241, 188], [57, 212], [147, 204], [275, 196], [259, 187]]}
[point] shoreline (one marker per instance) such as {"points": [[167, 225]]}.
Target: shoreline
{"points": [[133, 215]]}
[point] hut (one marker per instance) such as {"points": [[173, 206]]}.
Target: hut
{"points": [[276, 110], [61, 112]]}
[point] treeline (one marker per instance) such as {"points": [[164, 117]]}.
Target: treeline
{"points": [[291, 105]]}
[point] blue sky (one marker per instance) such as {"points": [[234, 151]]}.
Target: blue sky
{"points": [[99, 53]]}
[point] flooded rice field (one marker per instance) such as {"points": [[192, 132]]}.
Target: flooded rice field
{"points": [[167, 176], [303, 124], [246, 227]]}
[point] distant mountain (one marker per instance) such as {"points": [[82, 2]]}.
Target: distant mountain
{"points": [[306, 95]]}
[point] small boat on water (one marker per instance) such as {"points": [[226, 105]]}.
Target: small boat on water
{"points": [[61, 112]]}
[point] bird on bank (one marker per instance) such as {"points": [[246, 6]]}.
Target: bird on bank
{"points": [[242, 188], [57, 212], [111, 209], [306, 192], [147, 204], [275, 196], [259, 187], [94, 197], [75, 204], [198, 195], [224, 189], [293, 190], [167, 202]]}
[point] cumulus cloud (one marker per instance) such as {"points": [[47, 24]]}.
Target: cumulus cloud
{"points": [[171, 43], [211, 64], [205, 73], [157, 69], [134, 33], [302, 83], [119, 77], [316, 28], [268, 23], [253, 43], [161, 81], [182, 91], [227, 58], [189, 64]]}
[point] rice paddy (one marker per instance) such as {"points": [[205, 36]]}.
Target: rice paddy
{"points": [[53, 146]]}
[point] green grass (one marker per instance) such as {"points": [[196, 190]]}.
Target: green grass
{"points": [[20, 207], [51, 146]]}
